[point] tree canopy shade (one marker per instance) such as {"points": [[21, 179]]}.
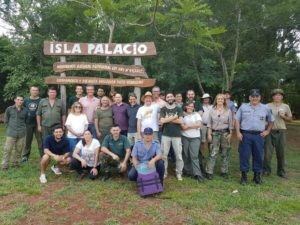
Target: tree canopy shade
{"points": [[206, 45]]}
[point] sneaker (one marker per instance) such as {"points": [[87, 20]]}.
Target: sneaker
{"points": [[179, 177], [199, 178], [24, 160], [56, 170], [43, 179]]}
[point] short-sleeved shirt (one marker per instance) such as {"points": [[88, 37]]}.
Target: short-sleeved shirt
{"points": [[77, 123], [56, 147], [205, 116], [220, 121], [171, 129], [71, 100], [88, 152], [254, 118], [148, 116], [143, 154], [190, 120], [118, 146], [279, 123], [51, 115], [132, 121], [105, 118], [89, 107], [120, 115], [32, 106], [15, 121]]}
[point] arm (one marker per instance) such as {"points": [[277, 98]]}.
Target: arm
{"points": [[96, 121], [94, 171], [123, 165], [168, 119], [177, 121], [135, 161], [38, 121], [6, 117], [268, 130], [138, 126], [287, 118], [63, 119], [106, 151], [238, 132], [52, 155]]}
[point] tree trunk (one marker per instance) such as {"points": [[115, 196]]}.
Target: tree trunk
{"points": [[198, 78], [111, 28]]}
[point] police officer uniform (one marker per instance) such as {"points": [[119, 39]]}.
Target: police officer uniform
{"points": [[251, 123]]}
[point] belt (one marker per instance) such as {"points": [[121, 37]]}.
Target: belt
{"points": [[204, 124], [221, 131], [251, 131]]}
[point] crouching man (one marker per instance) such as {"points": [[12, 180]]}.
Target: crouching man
{"points": [[148, 151], [56, 147]]}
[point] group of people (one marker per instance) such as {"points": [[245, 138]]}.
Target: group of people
{"points": [[101, 136]]}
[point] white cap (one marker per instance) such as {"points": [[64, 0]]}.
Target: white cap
{"points": [[206, 95]]}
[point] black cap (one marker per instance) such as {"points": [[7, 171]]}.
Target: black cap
{"points": [[254, 92]]}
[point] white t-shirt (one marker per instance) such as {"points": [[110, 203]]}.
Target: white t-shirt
{"points": [[77, 123], [189, 120], [148, 116], [87, 152]]}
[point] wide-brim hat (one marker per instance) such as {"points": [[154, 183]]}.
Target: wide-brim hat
{"points": [[206, 95], [277, 91], [148, 93]]}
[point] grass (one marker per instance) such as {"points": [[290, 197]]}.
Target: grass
{"points": [[63, 200]]}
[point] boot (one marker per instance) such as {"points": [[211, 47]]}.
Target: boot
{"points": [[257, 178], [244, 179]]}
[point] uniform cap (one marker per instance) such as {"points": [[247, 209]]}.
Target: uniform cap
{"points": [[148, 131], [254, 92], [277, 91]]}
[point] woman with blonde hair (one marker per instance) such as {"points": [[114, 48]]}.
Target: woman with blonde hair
{"points": [[219, 132], [77, 124]]}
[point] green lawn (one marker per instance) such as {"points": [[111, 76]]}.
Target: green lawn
{"points": [[63, 200]]}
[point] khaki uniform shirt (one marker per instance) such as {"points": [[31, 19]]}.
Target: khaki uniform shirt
{"points": [[279, 123], [220, 121], [50, 115], [15, 121]]}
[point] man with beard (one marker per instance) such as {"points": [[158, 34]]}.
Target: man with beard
{"points": [[171, 120], [190, 97]]}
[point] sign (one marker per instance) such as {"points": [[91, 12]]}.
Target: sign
{"points": [[100, 81], [134, 71], [101, 49]]}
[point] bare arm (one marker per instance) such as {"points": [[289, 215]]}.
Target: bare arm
{"points": [[76, 155], [135, 162], [128, 151], [168, 119]]}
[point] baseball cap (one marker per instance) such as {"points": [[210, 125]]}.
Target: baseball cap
{"points": [[254, 92], [206, 95], [148, 131]]}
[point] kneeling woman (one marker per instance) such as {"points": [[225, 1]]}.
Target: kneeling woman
{"points": [[220, 127], [85, 156]]}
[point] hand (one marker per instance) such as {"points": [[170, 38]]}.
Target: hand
{"points": [[264, 133], [99, 134], [209, 138], [115, 157], [151, 163], [239, 136], [94, 171], [83, 163], [282, 115], [123, 167], [185, 127], [57, 158], [39, 128]]}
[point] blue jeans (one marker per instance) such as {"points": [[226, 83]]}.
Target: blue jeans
{"points": [[92, 129], [160, 168], [72, 143], [251, 144]]}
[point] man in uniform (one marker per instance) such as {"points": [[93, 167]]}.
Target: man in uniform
{"points": [[277, 138], [251, 120]]}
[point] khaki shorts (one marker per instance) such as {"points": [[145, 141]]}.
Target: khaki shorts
{"points": [[203, 131]]}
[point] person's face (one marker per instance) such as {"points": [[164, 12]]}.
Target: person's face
{"points": [[52, 94], [220, 100], [132, 100], [227, 95], [155, 92], [148, 137], [163, 97], [277, 98], [100, 92], [104, 102], [58, 133], [19, 101], [115, 131], [190, 95], [178, 98], [78, 108], [34, 91], [170, 98], [118, 98], [87, 136], [190, 108], [148, 100], [206, 101], [254, 100], [79, 90], [90, 91]]}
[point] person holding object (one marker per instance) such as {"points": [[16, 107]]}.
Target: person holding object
{"points": [[147, 151], [219, 133], [85, 156], [251, 119]]}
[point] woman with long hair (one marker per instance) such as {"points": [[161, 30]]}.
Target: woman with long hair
{"points": [[219, 132], [103, 118], [191, 142], [86, 156], [76, 124]]}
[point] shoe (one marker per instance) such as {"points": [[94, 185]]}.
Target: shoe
{"points": [[56, 170], [179, 177], [199, 178], [43, 179], [24, 160], [257, 178], [209, 176], [282, 175], [244, 179], [225, 175], [165, 176]]}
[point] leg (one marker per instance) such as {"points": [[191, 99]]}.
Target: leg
{"points": [[280, 152], [194, 156], [92, 129], [258, 153], [20, 144], [76, 165], [132, 174], [160, 168], [92, 176], [44, 163], [177, 146], [268, 153], [72, 143], [214, 150], [39, 141], [186, 155], [245, 148], [29, 137], [165, 148], [225, 150], [10, 143]]}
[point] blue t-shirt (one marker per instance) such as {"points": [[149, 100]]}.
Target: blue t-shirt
{"points": [[142, 153], [132, 120], [56, 147]]}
